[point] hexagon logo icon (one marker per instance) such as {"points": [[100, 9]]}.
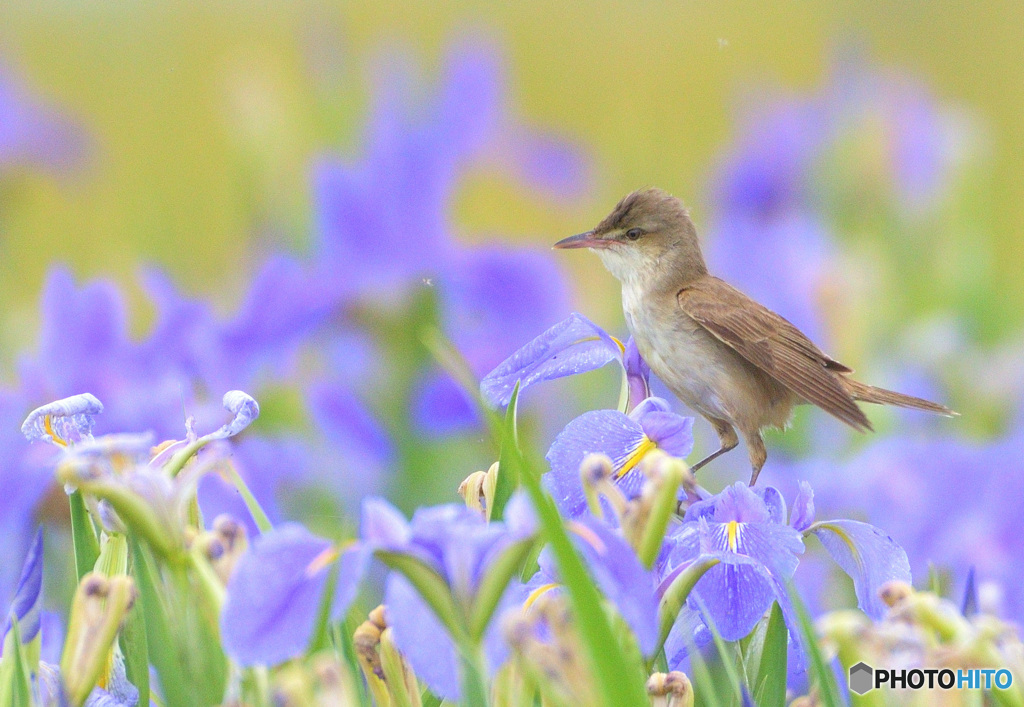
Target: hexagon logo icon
{"points": [[861, 678]]}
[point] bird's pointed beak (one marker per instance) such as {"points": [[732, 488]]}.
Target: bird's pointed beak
{"points": [[582, 240]]}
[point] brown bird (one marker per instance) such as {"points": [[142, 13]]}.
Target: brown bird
{"points": [[738, 364]]}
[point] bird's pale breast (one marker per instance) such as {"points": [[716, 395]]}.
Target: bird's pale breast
{"points": [[706, 374]]}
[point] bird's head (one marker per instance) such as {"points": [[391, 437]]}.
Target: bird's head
{"points": [[647, 236]]}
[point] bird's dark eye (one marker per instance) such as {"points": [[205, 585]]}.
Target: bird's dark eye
{"points": [[634, 233]]}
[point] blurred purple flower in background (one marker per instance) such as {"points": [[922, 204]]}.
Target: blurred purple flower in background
{"points": [[33, 134], [390, 214], [382, 230]]}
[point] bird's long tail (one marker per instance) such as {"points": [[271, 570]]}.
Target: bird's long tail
{"points": [[881, 396]]}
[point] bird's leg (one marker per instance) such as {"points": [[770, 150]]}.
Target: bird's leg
{"points": [[727, 440], [757, 452]]}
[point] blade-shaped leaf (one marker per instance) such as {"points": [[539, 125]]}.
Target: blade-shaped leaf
{"points": [[160, 640], [431, 587], [725, 655], [83, 534], [821, 674], [675, 596], [15, 673], [132, 640], [510, 461], [493, 585], [769, 680]]}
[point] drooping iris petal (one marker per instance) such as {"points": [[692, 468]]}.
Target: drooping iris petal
{"points": [[736, 595], [28, 599], [460, 546], [422, 638], [244, 408], [64, 421], [572, 346], [623, 580], [803, 508], [868, 555], [274, 595], [625, 439]]}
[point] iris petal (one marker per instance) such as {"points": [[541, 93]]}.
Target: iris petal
{"points": [[868, 555], [599, 431], [244, 408], [803, 508], [572, 346], [274, 595], [63, 421], [27, 601]]}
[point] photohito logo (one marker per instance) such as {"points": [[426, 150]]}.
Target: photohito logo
{"points": [[863, 678]]}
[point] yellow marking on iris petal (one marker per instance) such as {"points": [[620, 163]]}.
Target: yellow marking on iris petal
{"points": [[733, 529], [53, 435], [322, 560], [622, 346], [646, 445], [536, 594], [588, 535]]}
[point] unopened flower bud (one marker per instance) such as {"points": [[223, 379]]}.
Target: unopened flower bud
{"points": [[597, 477], [595, 468], [670, 690], [478, 490], [892, 593], [97, 612], [398, 676], [229, 530]]}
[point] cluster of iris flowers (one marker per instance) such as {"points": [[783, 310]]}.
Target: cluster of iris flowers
{"points": [[597, 581]]}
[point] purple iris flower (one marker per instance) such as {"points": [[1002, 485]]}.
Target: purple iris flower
{"points": [[28, 599], [574, 345], [459, 545], [351, 441], [748, 527], [275, 591], [624, 581], [625, 439], [384, 220], [33, 134]]}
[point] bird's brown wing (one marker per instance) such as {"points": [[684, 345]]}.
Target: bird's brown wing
{"points": [[772, 344]]}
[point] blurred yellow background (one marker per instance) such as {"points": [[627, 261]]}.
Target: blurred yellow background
{"points": [[205, 116]]}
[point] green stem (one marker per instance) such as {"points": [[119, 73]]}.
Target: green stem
{"points": [[662, 511], [255, 509], [474, 677]]}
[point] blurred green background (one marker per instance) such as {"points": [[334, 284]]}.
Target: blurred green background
{"points": [[205, 117]]}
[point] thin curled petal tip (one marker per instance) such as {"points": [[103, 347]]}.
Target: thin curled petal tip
{"points": [[63, 421], [244, 408]]}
